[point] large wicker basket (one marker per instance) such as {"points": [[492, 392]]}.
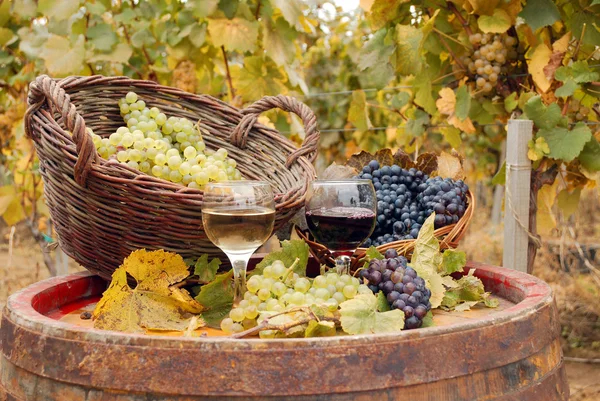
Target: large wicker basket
{"points": [[103, 210], [449, 237]]}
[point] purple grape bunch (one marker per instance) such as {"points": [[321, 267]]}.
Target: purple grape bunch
{"points": [[401, 285]]}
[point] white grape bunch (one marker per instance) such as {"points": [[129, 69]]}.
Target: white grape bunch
{"points": [[278, 289], [491, 58], [170, 148]]}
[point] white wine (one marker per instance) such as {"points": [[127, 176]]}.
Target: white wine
{"points": [[238, 231]]}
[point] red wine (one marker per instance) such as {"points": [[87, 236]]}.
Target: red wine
{"points": [[341, 228]]}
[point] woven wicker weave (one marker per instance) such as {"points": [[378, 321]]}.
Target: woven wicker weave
{"points": [[103, 210], [448, 236]]}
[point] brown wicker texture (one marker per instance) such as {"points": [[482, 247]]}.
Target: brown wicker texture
{"points": [[103, 210], [448, 236]]}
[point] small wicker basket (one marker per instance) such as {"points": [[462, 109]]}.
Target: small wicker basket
{"points": [[449, 237], [103, 210]]}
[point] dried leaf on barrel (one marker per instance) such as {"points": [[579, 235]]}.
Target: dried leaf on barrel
{"points": [[450, 166], [154, 304], [360, 316], [402, 159], [427, 163], [338, 172]]}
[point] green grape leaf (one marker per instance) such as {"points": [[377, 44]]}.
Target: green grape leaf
{"points": [[235, 35], [278, 41], [197, 35], [469, 289], [217, 298], [229, 7], [538, 148], [568, 202], [500, 177], [590, 156], [465, 306], [463, 102], [382, 303], [121, 54], [126, 16], [452, 261], [511, 102], [542, 116], [320, 329], [426, 260], [498, 22], [258, 78], [358, 114], [399, 100], [142, 38], [566, 144], [205, 270], [539, 13], [423, 92], [95, 8], [452, 136], [59, 9], [428, 320], [591, 20], [417, 122], [6, 37], [102, 36], [579, 71], [567, 89], [384, 11], [373, 253], [408, 44], [290, 250], [360, 316], [375, 56], [202, 8], [61, 58]]}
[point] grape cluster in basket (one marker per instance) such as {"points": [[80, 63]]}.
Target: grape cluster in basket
{"points": [[402, 286], [170, 148], [405, 198], [279, 289]]}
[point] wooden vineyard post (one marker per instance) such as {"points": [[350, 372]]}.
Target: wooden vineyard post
{"points": [[516, 205]]}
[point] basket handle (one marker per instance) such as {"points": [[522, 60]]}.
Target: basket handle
{"points": [[47, 89], [239, 135]]}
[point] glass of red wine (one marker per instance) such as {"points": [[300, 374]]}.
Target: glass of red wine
{"points": [[341, 215]]}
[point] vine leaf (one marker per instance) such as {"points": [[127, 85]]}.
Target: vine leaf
{"points": [[375, 57], [426, 260], [542, 116], [564, 144], [482, 7], [358, 114], [290, 250], [498, 22], [590, 156], [278, 41], [546, 221], [403, 160], [360, 316], [538, 61], [205, 270], [383, 11], [233, 34], [259, 77], [568, 201], [408, 44], [539, 13], [61, 58], [427, 162], [154, 304], [217, 299], [337, 172], [579, 71], [59, 9], [538, 148], [450, 166], [452, 261]]}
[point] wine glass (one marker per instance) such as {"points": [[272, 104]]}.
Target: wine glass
{"points": [[341, 215], [238, 217]]}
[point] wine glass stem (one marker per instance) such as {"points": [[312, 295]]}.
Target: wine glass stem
{"points": [[240, 264], [342, 264]]}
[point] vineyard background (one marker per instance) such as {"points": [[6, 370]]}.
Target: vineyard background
{"points": [[390, 73]]}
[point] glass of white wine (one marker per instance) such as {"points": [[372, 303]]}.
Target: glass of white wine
{"points": [[238, 217]]}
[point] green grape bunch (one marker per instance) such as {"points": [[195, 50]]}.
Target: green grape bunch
{"points": [[279, 290], [170, 148], [491, 58]]}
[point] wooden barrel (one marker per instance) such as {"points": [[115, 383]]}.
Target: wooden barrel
{"points": [[512, 353]]}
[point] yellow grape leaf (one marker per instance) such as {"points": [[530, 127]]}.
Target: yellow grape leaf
{"points": [[562, 44], [483, 7], [569, 202], [446, 104], [7, 194], [154, 304], [538, 149], [465, 125], [449, 166], [513, 8], [546, 221], [499, 22], [539, 59]]}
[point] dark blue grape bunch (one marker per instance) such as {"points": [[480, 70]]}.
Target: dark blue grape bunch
{"points": [[407, 197], [402, 286], [446, 197]]}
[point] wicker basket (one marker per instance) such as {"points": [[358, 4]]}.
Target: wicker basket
{"points": [[103, 210], [448, 236]]}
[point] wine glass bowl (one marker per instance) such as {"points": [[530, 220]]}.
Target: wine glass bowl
{"points": [[341, 214], [238, 217]]}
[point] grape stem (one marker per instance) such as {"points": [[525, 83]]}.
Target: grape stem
{"points": [[290, 269], [447, 46], [462, 19], [267, 325]]}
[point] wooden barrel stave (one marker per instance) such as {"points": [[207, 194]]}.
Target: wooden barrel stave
{"points": [[512, 355]]}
